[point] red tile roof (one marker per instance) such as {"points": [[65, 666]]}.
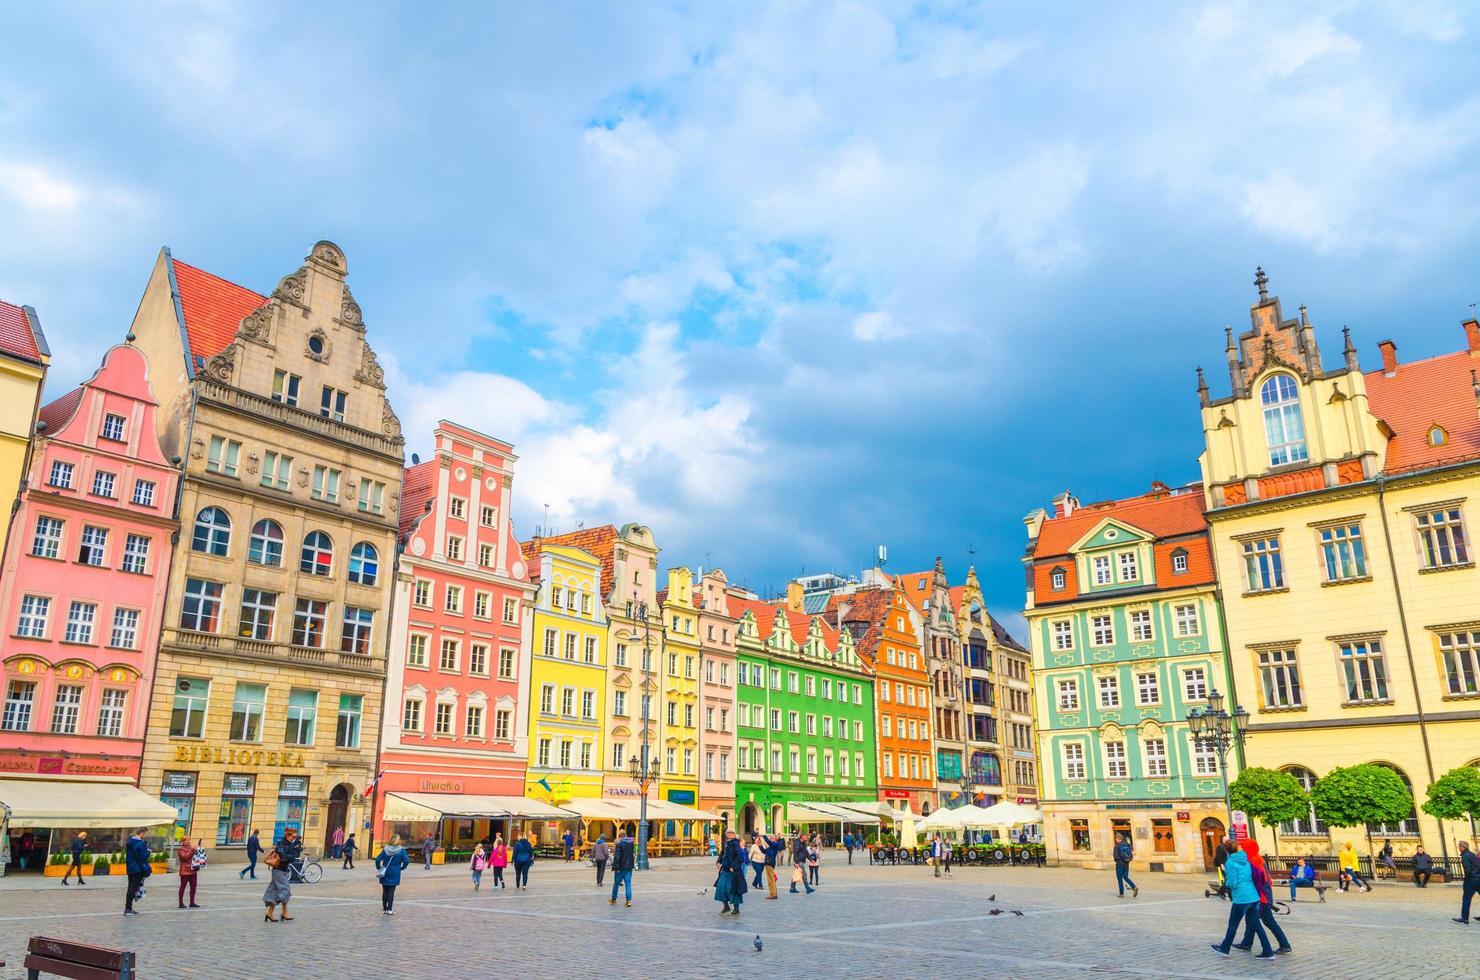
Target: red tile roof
{"points": [[418, 487], [1421, 394], [16, 336], [57, 414], [600, 542], [867, 610], [1159, 514], [765, 618], [917, 587], [213, 308]]}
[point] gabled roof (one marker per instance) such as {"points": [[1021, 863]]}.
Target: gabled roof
{"points": [[213, 308], [1159, 514], [1004, 638], [867, 611], [20, 333], [599, 542], [1421, 394], [59, 412], [418, 486], [765, 620], [917, 587]]}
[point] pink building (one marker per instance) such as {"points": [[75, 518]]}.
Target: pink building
{"points": [[717, 698], [81, 593], [456, 702]]}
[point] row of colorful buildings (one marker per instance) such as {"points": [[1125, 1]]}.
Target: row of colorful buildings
{"points": [[228, 602], [1321, 576]]}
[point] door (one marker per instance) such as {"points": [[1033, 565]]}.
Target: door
{"points": [[338, 810], [1212, 833], [748, 816]]}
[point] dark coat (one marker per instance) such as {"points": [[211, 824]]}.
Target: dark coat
{"points": [[1471, 864], [254, 847], [289, 851], [136, 856], [523, 851], [1422, 862], [392, 858], [624, 858]]}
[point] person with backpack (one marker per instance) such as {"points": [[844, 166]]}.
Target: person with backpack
{"points": [[349, 853], [523, 857], [1263, 884], [1123, 855], [478, 862], [1239, 876], [624, 859]]}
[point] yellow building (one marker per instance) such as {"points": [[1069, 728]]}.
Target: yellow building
{"points": [[678, 679], [1340, 504], [23, 360], [567, 679]]}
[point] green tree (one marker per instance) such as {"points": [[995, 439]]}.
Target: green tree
{"points": [[1454, 795], [1359, 796], [1270, 797]]}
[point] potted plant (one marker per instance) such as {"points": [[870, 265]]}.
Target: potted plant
{"points": [[118, 863], [159, 863], [101, 864], [439, 856], [57, 865]]}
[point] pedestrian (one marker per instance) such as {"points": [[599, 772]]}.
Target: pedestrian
{"points": [[774, 846], [757, 859], [814, 860], [79, 844], [935, 853], [349, 851], [569, 840], [136, 858], [1123, 855], [1470, 864], [799, 864], [523, 857], [499, 858], [848, 845], [1263, 885], [28, 843], [478, 863], [428, 848], [336, 843], [189, 866], [600, 854], [254, 848], [623, 861], [729, 883], [1423, 867], [1349, 870], [279, 889], [1219, 857], [947, 852], [1239, 876], [389, 864], [1302, 875], [1387, 857], [1023, 837]]}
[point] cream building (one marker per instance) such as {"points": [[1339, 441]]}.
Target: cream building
{"points": [[23, 360]]}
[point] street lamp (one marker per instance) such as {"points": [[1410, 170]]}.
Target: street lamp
{"points": [[644, 770], [1215, 728]]}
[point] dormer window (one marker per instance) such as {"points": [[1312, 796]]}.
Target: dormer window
{"points": [[1179, 561], [1056, 578], [1437, 435], [1284, 431]]}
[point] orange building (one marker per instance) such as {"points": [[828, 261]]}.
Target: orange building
{"points": [[886, 636]]}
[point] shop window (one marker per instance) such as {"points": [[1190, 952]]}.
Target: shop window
{"points": [[232, 825], [178, 791], [1079, 834], [292, 799]]}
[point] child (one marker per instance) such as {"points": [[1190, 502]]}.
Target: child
{"points": [[479, 862], [812, 860]]}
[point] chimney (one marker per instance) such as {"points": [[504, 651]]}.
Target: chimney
{"points": [[1065, 504], [1389, 357], [1472, 337], [794, 596]]}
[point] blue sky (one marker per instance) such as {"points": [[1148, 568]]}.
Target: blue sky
{"points": [[784, 281]]}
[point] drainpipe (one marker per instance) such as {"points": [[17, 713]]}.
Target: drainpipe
{"points": [[1423, 729]]}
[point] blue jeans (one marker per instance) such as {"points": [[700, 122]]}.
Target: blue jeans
{"points": [[1248, 913], [1471, 890], [1123, 877], [619, 879], [1299, 883], [1266, 918], [759, 866]]}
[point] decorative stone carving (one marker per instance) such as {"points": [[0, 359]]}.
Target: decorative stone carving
{"points": [[303, 477], [509, 482], [292, 288], [477, 472], [330, 254], [370, 370], [257, 325], [252, 464], [197, 448], [320, 340], [389, 424], [221, 365], [349, 311], [395, 503]]}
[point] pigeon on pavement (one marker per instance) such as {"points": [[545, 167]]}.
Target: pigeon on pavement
{"points": [[991, 898], [995, 912], [757, 944], [1017, 913]]}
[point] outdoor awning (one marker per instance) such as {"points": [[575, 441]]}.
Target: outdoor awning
{"points": [[604, 808], [81, 805], [663, 810], [816, 811], [874, 808], [435, 806]]}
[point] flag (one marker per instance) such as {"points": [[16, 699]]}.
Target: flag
{"points": [[370, 787], [545, 782]]}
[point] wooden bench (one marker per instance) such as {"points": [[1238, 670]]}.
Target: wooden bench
{"points": [[64, 958], [1316, 886]]}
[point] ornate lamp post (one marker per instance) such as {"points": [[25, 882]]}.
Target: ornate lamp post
{"points": [[1215, 728], [643, 769]]}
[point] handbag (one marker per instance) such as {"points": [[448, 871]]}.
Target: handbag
{"points": [[796, 874], [273, 860], [198, 859]]}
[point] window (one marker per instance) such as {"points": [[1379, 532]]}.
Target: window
{"points": [[200, 610], [247, 706], [1068, 695], [775, 719], [588, 705], [277, 469], [188, 714], [485, 555], [1074, 761], [454, 548], [20, 698], [478, 659], [411, 715], [551, 637], [451, 651], [303, 708], [1441, 537], [223, 456], [570, 646], [1179, 562], [1115, 764], [1408, 826], [457, 508], [488, 517], [1204, 758], [1365, 670], [453, 601], [364, 564], [61, 475], [317, 557], [1109, 692], [111, 711], [502, 723], [1263, 565], [416, 650], [103, 484], [1283, 430], [511, 615], [619, 755], [1129, 567], [547, 699], [1461, 654], [443, 723], [325, 484], [285, 387], [1058, 580], [1102, 633], [32, 621], [125, 634], [1141, 625], [93, 549], [473, 725], [1102, 569], [1309, 825], [310, 622], [65, 708], [422, 595], [1148, 689], [1195, 684], [1186, 620], [886, 726], [619, 703], [347, 727], [113, 427], [506, 663], [331, 403], [1079, 834], [590, 654], [47, 542], [1063, 634], [811, 724], [1342, 553], [372, 496], [1279, 678], [212, 532], [259, 609], [136, 554], [1154, 752], [356, 635]]}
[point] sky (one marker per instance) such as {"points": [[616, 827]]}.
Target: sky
{"points": [[783, 281]]}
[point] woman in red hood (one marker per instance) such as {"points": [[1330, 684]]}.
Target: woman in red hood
{"points": [[1264, 884]]}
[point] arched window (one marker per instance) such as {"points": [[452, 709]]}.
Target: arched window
{"points": [[1310, 826], [212, 532], [318, 554], [364, 564], [266, 544], [1407, 827], [986, 768], [1283, 429]]}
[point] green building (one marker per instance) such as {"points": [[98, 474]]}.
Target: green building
{"points": [[1126, 637], [805, 706]]}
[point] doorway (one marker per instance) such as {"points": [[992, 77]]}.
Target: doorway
{"points": [[338, 811], [748, 817], [1212, 833]]}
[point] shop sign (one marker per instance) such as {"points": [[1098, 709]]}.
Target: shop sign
{"points": [[682, 796], [284, 759], [1240, 825], [1033, 800], [293, 786], [238, 785], [1184, 816], [58, 765], [632, 791], [429, 785], [896, 794], [178, 782]]}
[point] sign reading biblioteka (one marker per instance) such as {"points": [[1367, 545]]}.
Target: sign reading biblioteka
{"points": [[273, 758]]}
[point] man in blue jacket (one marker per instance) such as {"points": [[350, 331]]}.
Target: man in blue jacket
{"points": [[1123, 855], [1471, 866], [136, 863]]}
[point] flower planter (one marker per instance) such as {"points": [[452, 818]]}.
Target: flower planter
{"points": [[118, 869], [58, 870], [159, 868], [439, 856]]}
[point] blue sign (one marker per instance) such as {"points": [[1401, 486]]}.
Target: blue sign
{"points": [[684, 796]]}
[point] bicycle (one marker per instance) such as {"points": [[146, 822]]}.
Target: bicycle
{"points": [[308, 872]]}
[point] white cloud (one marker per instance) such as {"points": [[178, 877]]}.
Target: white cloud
{"points": [[34, 188], [874, 326], [1286, 208]]}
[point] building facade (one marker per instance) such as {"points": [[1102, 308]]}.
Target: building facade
{"points": [[998, 675], [83, 581], [1341, 504], [679, 665], [716, 697], [266, 704], [24, 357], [1124, 624], [458, 676]]}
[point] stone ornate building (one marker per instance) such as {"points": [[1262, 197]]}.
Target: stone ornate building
{"points": [[266, 707]]}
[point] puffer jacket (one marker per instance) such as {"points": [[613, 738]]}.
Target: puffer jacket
{"points": [[1239, 877]]}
